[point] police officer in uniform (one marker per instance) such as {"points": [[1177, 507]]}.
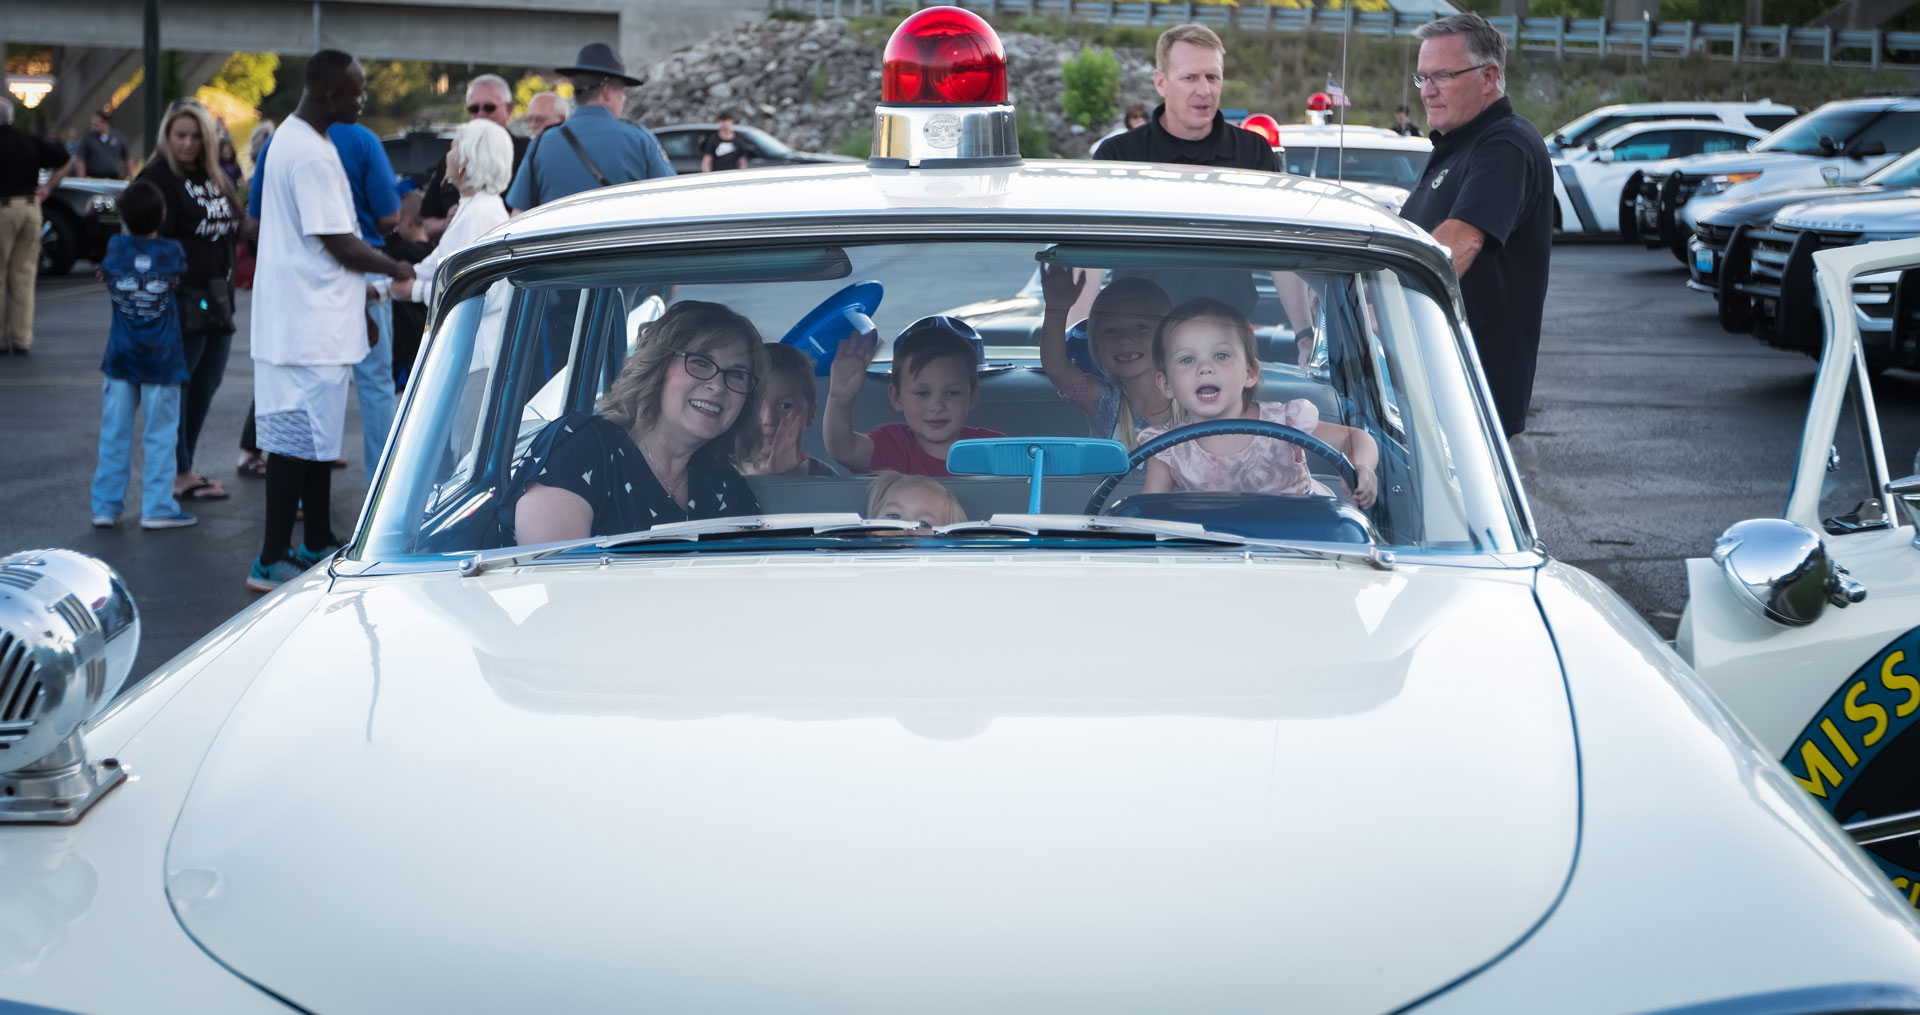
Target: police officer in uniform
{"points": [[594, 148], [1487, 195], [1187, 129]]}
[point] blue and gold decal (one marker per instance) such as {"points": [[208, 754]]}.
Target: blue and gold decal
{"points": [[1858, 755]]}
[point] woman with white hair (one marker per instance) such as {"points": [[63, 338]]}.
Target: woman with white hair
{"points": [[480, 166]]}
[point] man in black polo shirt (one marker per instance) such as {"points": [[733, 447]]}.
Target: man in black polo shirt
{"points": [[1487, 195], [22, 156], [1189, 69]]}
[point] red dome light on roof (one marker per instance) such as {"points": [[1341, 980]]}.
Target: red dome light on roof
{"points": [[1265, 126], [1318, 102], [944, 56]]}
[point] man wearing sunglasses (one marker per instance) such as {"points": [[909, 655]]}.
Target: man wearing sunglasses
{"points": [[1487, 195], [489, 97]]}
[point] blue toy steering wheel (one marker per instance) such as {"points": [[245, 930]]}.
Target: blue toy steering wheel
{"points": [[819, 333], [1215, 428]]}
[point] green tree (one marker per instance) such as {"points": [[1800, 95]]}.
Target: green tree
{"points": [[1092, 82], [248, 77]]}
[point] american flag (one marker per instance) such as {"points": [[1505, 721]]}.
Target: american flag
{"points": [[1336, 94]]}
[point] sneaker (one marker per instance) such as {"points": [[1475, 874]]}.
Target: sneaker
{"points": [[105, 521], [176, 520], [267, 577], [307, 558]]}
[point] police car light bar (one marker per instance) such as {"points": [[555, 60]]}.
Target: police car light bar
{"points": [[1265, 126], [943, 95]]}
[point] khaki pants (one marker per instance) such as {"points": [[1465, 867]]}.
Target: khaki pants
{"points": [[19, 264]]}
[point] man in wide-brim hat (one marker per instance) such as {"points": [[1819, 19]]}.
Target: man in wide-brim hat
{"points": [[595, 148]]}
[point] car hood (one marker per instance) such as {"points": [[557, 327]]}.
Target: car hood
{"points": [[1741, 209], [947, 783], [1745, 162], [1895, 213]]}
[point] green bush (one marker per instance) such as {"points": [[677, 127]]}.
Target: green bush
{"points": [[858, 144], [820, 80], [1092, 82]]}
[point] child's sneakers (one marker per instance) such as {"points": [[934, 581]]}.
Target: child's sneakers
{"points": [[105, 521], [264, 577], [307, 558], [176, 520]]}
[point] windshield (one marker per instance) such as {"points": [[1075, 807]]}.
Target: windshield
{"points": [[1802, 136], [1902, 172], [1357, 165], [600, 396]]}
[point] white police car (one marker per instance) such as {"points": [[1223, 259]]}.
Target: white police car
{"points": [[1594, 185], [1347, 744], [1763, 115]]}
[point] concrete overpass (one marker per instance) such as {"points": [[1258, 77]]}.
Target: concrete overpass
{"points": [[103, 37]]}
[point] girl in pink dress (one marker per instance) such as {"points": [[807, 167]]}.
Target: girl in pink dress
{"points": [[1208, 365]]}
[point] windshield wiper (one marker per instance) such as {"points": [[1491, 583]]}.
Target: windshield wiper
{"points": [[1160, 531], [699, 530], [840, 525]]}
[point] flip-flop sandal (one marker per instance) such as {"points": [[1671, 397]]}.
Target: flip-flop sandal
{"points": [[204, 489], [255, 467]]}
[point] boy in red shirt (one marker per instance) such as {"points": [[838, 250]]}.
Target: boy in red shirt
{"points": [[934, 385]]}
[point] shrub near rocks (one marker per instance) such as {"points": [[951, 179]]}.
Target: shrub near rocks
{"points": [[813, 84]]}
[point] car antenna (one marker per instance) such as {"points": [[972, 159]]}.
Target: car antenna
{"points": [[1340, 152]]}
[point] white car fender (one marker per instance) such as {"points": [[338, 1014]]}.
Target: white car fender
{"points": [[75, 897], [1669, 781]]}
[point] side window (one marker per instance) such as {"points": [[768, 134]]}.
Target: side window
{"points": [[681, 144], [1770, 121], [1899, 131], [1850, 490], [1654, 144], [1715, 141]]}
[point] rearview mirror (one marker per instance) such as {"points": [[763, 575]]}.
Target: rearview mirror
{"points": [[1603, 155]]}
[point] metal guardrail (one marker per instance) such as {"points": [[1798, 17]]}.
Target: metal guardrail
{"points": [[1563, 37]]}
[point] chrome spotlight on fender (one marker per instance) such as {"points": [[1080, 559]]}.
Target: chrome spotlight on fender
{"points": [[68, 634], [1780, 570]]}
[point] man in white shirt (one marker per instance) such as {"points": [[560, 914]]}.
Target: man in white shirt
{"points": [[309, 323]]}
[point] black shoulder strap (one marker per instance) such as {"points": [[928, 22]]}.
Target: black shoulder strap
{"points": [[585, 159]]}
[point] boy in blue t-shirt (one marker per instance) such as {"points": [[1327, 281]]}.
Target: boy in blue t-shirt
{"points": [[145, 363]]}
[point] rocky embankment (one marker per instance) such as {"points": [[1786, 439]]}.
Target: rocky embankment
{"points": [[814, 84]]}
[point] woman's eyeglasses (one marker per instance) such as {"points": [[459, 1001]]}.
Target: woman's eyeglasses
{"points": [[476, 108], [701, 368]]}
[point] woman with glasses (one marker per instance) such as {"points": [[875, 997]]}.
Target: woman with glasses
{"points": [[480, 165], [203, 213], [664, 444]]}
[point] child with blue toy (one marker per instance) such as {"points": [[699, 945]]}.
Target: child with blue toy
{"points": [[145, 363]]}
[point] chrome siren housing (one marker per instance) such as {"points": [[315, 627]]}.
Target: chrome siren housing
{"points": [[68, 635], [915, 136]]}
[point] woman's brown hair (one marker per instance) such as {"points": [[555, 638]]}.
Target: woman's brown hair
{"points": [[632, 402]]}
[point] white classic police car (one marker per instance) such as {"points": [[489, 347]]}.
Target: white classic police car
{"points": [[1355, 745]]}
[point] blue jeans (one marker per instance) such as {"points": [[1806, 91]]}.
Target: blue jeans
{"points": [[118, 400], [373, 379]]}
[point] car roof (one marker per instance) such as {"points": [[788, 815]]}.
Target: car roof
{"points": [[1110, 196], [1901, 103], [1755, 106], [1368, 137], [1628, 130]]}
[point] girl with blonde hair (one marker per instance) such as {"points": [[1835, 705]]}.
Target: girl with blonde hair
{"points": [[204, 215]]}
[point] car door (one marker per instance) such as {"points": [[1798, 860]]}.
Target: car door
{"points": [[1835, 692], [1894, 135], [682, 149]]}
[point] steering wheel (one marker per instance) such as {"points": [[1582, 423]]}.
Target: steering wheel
{"points": [[1215, 428], [818, 334]]}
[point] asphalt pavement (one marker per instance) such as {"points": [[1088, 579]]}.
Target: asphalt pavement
{"points": [[1651, 431]]}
